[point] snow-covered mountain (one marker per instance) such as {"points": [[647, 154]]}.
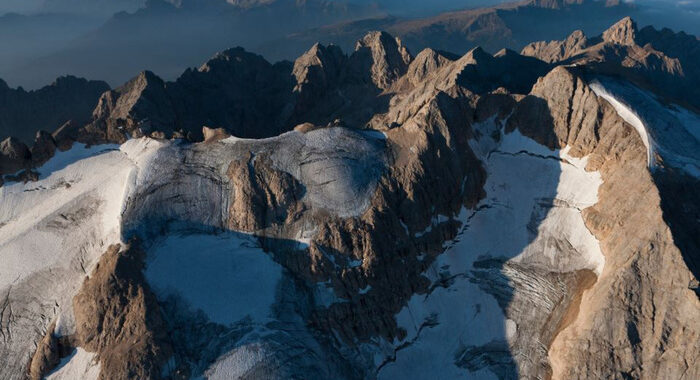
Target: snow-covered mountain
{"points": [[372, 215]]}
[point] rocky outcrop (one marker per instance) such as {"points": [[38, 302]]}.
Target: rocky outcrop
{"points": [[17, 160], [14, 156], [639, 262], [380, 59], [46, 357], [318, 70], [236, 90], [118, 317], [555, 51], [139, 107], [43, 149], [214, 134], [623, 33], [263, 196], [23, 113], [427, 62], [623, 51]]}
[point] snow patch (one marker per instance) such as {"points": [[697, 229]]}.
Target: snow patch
{"points": [[670, 131], [77, 152], [235, 364], [78, 365], [627, 114], [324, 294], [53, 231], [227, 276]]}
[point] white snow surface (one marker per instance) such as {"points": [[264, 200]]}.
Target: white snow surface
{"points": [[668, 131], [339, 167], [628, 115], [53, 231], [227, 276], [525, 181], [80, 364], [59, 226], [236, 363]]}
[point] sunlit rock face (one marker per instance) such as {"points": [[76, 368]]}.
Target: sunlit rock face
{"points": [[428, 223]]}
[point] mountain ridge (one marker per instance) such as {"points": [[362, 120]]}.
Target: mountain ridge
{"points": [[416, 216]]}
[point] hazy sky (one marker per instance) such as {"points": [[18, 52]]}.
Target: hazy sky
{"points": [[397, 7]]}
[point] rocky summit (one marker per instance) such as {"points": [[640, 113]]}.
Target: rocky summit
{"points": [[372, 214]]}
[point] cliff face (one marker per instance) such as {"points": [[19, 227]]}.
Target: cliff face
{"points": [[428, 217]]}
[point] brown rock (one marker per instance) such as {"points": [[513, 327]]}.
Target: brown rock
{"points": [[555, 51], [14, 156], [46, 357], [43, 149], [427, 62], [380, 58], [624, 32], [214, 134], [262, 196], [631, 313], [117, 317]]}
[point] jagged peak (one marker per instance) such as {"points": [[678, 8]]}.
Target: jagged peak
{"points": [[475, 56], [147, 75], [14, 148], [233, 55], [383, 41], [328, 61], [577, 35], [426, 62], [67, 80], [623, 32], [383, 55], [375, 38], [505, 52], [237, 51], [142, 80], [557, 50], [429, 53], [320, 52]]}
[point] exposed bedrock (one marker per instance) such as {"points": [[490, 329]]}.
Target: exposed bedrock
{"points": [[626, 315], [498, 225]]}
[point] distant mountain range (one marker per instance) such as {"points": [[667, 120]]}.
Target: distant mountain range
{"points": [[170, 36], [510, 25]]}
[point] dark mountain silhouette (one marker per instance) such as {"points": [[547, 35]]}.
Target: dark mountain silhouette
{"points": [[23, 113]]}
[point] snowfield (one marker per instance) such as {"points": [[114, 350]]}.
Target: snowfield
{"points": [[53, 232], [80, 364], [174, 196], [227, 276], [533, 204], [628, 115], [60, 225], [669, 131]]}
